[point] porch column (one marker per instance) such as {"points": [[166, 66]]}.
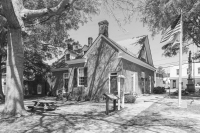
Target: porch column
{"points": [[118, 86], [154, 78], [109, 83]]}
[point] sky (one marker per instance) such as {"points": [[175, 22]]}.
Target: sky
{"points": [[128, 31]]}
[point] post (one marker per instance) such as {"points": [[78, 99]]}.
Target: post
{"points": [[154, 79], [107, 105], [180, 63], [118, 86], [114, 104], [133, 78], [109, 83], [193, 67], [123, 94]]}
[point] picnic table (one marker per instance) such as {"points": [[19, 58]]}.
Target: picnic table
{"points": [[43, 105]]}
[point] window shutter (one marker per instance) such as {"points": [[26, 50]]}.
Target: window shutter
{"points": [[75, 77], [85, 76]]}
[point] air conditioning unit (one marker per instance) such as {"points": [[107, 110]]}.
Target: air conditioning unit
{"points": [[143, 75]]}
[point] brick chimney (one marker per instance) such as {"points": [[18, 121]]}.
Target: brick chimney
{"points": [[103, 27], [90, 41]]}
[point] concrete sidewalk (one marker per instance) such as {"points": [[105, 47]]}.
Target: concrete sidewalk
{"points": [[119, 119]]}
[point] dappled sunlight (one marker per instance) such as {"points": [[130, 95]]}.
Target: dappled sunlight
{"points": [[159, 115]]}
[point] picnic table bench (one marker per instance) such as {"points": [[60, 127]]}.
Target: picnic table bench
{"points": [[43, 105]]}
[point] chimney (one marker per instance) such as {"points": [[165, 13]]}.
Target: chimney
{"points": [[90, 40], [103, 27]]}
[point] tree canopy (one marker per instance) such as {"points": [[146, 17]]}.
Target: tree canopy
{"points": [[26, 16], [159, 14]]}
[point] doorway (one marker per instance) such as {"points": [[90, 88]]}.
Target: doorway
{"points": [[113, 83], [150, 84], [133, 83]]}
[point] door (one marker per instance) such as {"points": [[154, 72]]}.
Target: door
{"points": [[133, 83], [174, 83], [113, 83], [150, 84], [66, 81]]}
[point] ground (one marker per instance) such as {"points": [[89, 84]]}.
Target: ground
{"points": [[150, 114]]}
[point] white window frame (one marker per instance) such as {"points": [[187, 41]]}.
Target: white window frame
{"points": [[78, 76]]}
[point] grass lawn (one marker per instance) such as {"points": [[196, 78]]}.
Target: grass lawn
{"points": [[161, 116]]}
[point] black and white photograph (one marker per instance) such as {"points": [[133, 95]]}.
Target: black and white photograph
{"points": [[99, 66]]}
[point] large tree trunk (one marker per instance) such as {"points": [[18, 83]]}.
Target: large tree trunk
{"points": [[15, 13], [14, 78], [1, 89]]}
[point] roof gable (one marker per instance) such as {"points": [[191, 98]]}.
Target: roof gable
{"points": [[139, 47], [144, 55]]}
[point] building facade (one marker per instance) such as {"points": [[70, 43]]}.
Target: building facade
{"points": [[174, 75], [104, 64]]}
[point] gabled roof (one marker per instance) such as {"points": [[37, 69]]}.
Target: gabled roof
{"points": [[60, 63], [71, 51], [125, 50], [135, 45]]}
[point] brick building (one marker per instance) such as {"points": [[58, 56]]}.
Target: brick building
{"points": [[97, 68]]}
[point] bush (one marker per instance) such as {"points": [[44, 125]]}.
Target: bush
{"points": [[190, 90], [130, 98], [159, 90], [183, 92]]}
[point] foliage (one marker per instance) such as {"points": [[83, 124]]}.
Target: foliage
{"points": [[160, 70], [183, 92], [130, 98], [159, 90], [159, 14], [48, 22], [33, 65], [189, 90]]}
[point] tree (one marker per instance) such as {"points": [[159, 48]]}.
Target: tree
{"points": [[159, 14], [161, 71], [18, 16], [2, 51]]}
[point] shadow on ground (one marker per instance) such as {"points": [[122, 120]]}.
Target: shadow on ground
{"points": [[157, 118]]}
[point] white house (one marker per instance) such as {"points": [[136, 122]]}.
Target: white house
{"points": [[174, 75]]}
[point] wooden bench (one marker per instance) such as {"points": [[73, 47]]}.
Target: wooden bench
{"points": [[43, 105], [113, 98]]}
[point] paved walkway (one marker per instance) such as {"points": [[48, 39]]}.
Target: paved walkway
{"points": [[117, 121]]}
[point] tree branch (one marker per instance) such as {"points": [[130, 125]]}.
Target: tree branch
{"points": [[63, 5], [1, 11]]}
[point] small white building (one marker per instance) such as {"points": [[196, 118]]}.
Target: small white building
{"points": [[174, 75]]}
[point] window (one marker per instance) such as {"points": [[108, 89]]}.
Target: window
{"points": [[67, 57], [66, 75], [198, 70], [174, 83], [177, 71], [65, 80], [82, 76]]}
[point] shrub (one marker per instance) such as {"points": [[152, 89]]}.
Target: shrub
{"points": [[190, 90], [130, 98], [159, 90], [183, 92]]}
